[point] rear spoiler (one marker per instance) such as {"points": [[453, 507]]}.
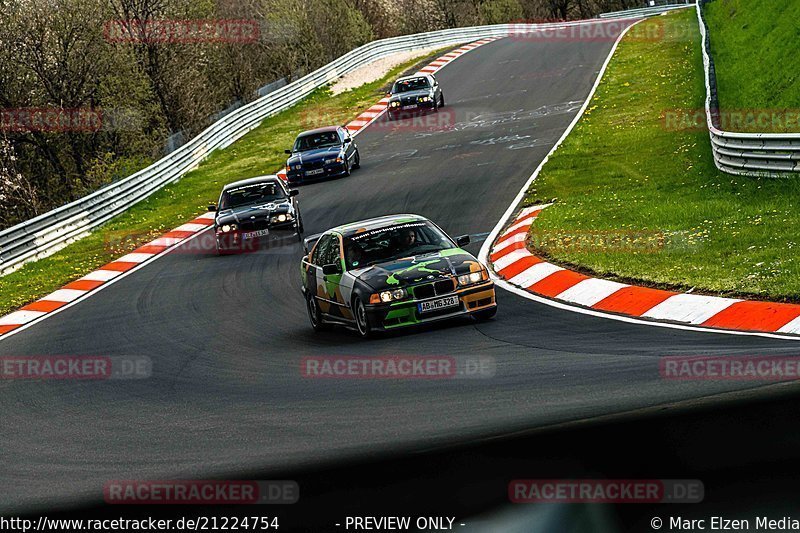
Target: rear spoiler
{"points": [[309, 242]]}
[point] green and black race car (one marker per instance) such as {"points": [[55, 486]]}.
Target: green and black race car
{"points": [[392, 272]]}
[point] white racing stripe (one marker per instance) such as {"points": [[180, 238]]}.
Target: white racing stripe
{"points": [[510, 259], [690, 308], [64, 295], [20, 317], [590, 291], [534, 274]]}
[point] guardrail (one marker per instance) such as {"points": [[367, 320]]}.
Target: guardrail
{"points": [[51, 231], [643, 11], [744, 154]]}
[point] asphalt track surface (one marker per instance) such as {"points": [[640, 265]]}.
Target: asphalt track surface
{"points": [[226, 334]]}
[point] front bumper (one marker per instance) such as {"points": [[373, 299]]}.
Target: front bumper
{"points": [[405, 111], [385, 317], [331, 170], [233, 242]]}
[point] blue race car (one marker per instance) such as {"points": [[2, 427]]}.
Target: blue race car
{"points": [[321, 153]]}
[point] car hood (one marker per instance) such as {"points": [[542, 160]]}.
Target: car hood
{"points": [[419, 269], [415, 94], [253, 211], [314, 155]]}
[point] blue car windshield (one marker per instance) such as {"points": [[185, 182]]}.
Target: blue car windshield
{"points": [[314, 141], [414, 84], [393, 242]]}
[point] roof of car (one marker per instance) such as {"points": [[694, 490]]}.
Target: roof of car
{"points": [[250, 181], [423, 75], [319, 130], [376, 223]]}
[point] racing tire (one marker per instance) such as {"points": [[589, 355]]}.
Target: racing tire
{"points": [[357, 161], [314, 314], [363, 327], [485, 314], [441, 100], [347, 171]]}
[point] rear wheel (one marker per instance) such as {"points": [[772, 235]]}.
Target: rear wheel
{"points": [[362, 321], [486, 314], [314, 314]]}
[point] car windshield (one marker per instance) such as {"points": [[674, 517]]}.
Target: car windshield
{"points": [[413, 84], [313, 141], [393, 242], [250, 194]]}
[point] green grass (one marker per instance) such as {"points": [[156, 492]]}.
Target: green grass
{"points": [[756, 50], [621, 171], [259, 152]]}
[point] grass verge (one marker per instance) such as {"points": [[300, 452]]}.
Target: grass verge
{"points": [[257, 153], [756, 50], [636, 201]]}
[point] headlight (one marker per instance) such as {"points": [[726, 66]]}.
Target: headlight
{"points": [[283, 217], [225, 228], [394, 104], [425, 99], [337, 160], [388, 296], [472, 277], [298, 167]]}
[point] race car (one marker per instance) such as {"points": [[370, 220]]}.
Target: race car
{"points": [[412, 94], [255, 211], [392, 272], [322, 153]]}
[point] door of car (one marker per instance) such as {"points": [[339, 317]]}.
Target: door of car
{"points": [[347, 143], [330, 276], [313, 271]]}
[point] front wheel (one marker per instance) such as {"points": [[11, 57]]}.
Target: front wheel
{"points": [[441, 100], [314, 315], [362, 321], [357, 161]]}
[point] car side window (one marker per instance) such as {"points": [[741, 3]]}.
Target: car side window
{"points": [[332, 252], [320, 250]]}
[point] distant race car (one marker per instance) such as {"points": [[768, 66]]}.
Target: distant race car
{"points": [[254, 211], [412, 94], [322, 153], [392, 272]]}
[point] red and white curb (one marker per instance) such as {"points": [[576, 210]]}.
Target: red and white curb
{"points": [[511, 261], [80, 289], [515, 269], [93, 281]]}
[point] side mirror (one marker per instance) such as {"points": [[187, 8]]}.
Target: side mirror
{"points": [[294, 192], [330, 269], [462, 241], [348, 139], [212, 207], [287, 152]]}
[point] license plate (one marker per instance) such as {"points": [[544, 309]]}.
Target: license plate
{"points": [[315, 172], [254, 234], [410, 106], [435, 305]]}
